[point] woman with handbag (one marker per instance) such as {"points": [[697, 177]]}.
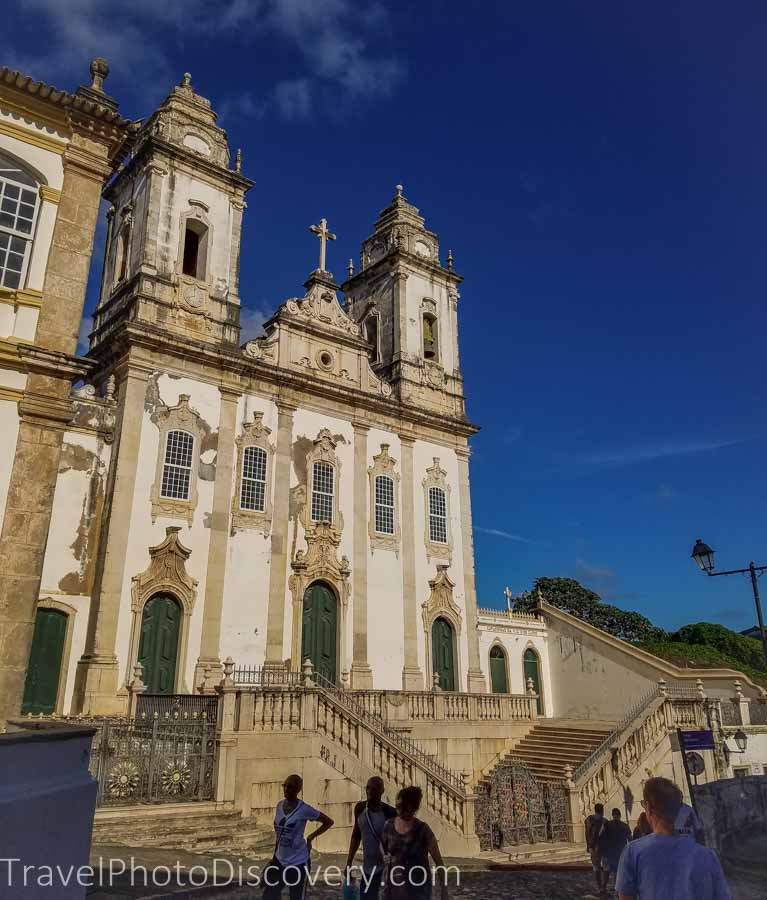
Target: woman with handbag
{"points": [[408, 843]]}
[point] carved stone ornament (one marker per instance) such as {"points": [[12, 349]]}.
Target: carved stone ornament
{"points": [[384, 465], [260, 348], [321, 304], [192, 295], [436, 477], [440, 602], [166, 573], [176, 418], [254, 434]]}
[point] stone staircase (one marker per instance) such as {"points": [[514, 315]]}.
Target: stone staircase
{"points": [[553, 744], [196, 827]]}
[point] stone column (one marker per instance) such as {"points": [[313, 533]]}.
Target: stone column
{"points": [[412, 676], [96, 683], [275, 622], [362, 675], [399, 310], [45, 410], [220, 527], [475, 678]]}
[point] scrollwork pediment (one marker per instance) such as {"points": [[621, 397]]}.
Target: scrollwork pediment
{"points": [[166, 572], [440, 602]]}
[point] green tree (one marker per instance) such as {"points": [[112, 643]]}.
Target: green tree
{"points": [[572, 597], [745, 650]]}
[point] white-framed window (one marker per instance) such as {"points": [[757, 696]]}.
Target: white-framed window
{"points": [[177, 468], [437, 515], [384, 504], [323, 486], [19, 201], [253, 486]]}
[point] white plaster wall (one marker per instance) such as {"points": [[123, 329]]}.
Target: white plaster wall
{"points": [[755, 756], [9, 431], [204, 398], [423, 458], [515, 639], [246, 588], [219, 216], [386, 651], [418, 288]]}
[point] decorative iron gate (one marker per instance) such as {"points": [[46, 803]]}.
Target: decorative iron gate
{"points": [[153, 761], [514, 808]]}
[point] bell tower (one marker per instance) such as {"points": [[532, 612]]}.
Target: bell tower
{"points": [[172, 254], [406, 303]]}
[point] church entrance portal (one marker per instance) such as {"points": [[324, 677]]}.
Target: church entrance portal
{"points": [[158, 650], [320, 628], [42, 685], [442, 653]]}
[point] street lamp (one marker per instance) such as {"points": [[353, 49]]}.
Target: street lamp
{"points": [[704, 557], [741, 739]]}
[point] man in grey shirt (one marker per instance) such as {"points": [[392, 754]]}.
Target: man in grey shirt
{"points": [[369, 818], [666, 865]]}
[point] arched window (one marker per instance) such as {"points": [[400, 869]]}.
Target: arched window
{"points": [[323, 485], [195, 251], [384, 504], [121, 256], [177, 469], [499, 681], [18, 212], [437, 516], [371, 334], [253, 488], [430, 337]]}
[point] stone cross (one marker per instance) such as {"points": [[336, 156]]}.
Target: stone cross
{"points": [[324, 235], [508, 595]]}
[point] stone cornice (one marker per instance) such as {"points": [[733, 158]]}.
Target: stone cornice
{"points": [[53, 363], [296, 388]]}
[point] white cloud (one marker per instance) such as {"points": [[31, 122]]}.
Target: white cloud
{"points": [[506, 535], [86, 327], [338, 43], [658, 450], [252, 321]]}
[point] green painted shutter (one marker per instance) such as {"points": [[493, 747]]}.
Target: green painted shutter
{"points": [[158, 650], [531, 671], [320, 630], [443, 663], [498, 680]]}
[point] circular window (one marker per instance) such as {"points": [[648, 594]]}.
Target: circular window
{"points": [[325, 360]]}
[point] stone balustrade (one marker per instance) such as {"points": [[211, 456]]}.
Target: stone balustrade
{"points": [[439, 706]]}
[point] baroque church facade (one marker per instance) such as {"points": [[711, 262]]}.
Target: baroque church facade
{"points": [[302, 495]]}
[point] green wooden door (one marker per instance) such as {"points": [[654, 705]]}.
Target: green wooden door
{"points": [[442, 659], [320, 628], [42, 685], [531, 671], [499, 683], [158, 649]]}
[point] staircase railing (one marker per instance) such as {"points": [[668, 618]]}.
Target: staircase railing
{"points": [[376, 723]]}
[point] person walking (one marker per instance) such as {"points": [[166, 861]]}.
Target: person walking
{"points": [[408, 843], [665, 865], [614, 836], [642, 827], [370, 816], [289, 866], [594, 825]]}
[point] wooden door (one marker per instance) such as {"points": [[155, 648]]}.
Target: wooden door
{"points": [[320, 630], [442, 654], [44, 670], [158, 650], [499, 682]]}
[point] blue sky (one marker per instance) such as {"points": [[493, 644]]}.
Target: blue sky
{"points": [[598, 170]]}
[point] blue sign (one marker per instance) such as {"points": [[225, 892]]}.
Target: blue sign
{"points": [[697, 740]]}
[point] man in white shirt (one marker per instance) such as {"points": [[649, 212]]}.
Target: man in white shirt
{"points": [[292, 851]]}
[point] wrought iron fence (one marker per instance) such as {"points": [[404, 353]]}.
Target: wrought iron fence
{"points": [[267, 676], [153, 761], [177, 707], [513, 807]]}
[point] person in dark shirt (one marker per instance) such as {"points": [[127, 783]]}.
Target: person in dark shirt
{"points": [[370, 816], [642, 827], [613, 838]]}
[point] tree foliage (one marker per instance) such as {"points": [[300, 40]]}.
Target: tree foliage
{"points": [[744, 650], [571, 596]]}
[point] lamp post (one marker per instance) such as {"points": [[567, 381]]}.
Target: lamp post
{"points": [[704, 557]]}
